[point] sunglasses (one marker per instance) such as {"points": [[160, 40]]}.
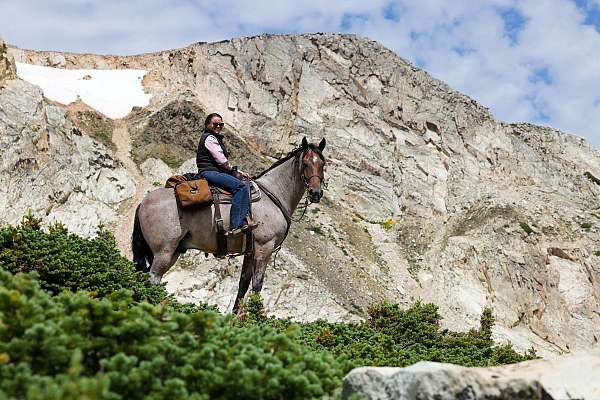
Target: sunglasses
{"points": [[219, 125]]}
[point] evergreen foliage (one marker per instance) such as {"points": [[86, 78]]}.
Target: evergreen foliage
{"points": [[394, 337], [74, 346], [66, 261], [120, 337]]}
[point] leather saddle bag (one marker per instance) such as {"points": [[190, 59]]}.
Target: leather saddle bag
{"points": [[192, 193]]}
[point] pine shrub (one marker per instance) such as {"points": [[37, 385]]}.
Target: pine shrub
{"points": [[74, 346], [66, 261], [77, 321], [394, 337]]}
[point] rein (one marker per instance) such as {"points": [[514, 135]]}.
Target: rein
{"points": [[288, 218], [274, 199]]}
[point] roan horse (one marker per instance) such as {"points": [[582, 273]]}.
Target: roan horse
{"points": [[162, 230]]}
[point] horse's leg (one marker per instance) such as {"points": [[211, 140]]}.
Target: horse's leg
{"points": [[245, 277], [261, 257], [163, 260]]}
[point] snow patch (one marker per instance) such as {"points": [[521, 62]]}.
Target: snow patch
{"points": [[112, 92]]}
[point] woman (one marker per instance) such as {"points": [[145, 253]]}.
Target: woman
{"points": [[212, 159]]}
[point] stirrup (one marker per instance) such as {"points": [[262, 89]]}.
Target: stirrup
{"points": [[246, 228], [249, 227], [233, 232]]}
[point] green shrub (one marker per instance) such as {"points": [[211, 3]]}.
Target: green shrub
{"points": [[586, 225], [316, 229], [73, 346], [396, 338], [67, 261], [107, 342]]}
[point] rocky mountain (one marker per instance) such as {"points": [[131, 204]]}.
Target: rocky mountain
{"points": [[429, 196]]}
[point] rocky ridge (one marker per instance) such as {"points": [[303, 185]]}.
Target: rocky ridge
{"points": [[428, 195]]}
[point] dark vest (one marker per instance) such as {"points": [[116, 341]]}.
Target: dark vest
{"points": [[204, 159]]}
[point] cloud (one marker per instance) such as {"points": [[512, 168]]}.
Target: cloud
{"points": [[527, 61]]}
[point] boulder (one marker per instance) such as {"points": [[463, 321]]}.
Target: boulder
{"points": [[569, 377]]}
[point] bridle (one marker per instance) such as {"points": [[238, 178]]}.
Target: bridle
{"points": [[320, 176], [307, 180]]}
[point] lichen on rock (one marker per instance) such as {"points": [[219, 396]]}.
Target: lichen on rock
{"points": [[8, 69]]}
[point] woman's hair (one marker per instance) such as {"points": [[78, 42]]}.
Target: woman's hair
{"points": [[209, 117]]}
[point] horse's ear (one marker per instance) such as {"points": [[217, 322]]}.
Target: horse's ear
{"points": [[304, 143], [322, 144]]}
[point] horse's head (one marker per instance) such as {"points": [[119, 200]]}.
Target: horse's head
{"points": [[313, 164]]}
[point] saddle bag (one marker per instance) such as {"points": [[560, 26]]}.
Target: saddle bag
{"points": [[192, 193]]}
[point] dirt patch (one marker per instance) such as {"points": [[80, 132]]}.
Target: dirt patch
{"points": [[172, 133], [92, 123], [122, 142]]}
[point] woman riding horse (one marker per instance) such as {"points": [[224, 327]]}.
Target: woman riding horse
{"points": [[162, 230], [212, 159]]}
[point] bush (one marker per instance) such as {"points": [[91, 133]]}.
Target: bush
{"points": [[121, 337], [394, 337], [66, 261], [525, 226], [73, 346]]}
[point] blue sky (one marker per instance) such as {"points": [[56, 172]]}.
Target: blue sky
{"points": [[536, 60]]}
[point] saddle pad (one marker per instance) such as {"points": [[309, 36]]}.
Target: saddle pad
{"points": [[225, 196]]}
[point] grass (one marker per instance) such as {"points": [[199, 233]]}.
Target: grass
{"points": [[525, 226], [388, 224], [316, 229], [586, 225]]}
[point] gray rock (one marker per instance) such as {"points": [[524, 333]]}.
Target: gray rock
{"points": [[50, 168], [57, 60], [156, 171], [573, 377]]}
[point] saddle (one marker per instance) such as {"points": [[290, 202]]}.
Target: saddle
{"points": [[196, 192], [191, 192]]}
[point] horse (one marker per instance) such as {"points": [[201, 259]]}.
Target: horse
{"points": [[163, 230]]}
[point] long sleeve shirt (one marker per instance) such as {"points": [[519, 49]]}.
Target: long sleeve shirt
{"points": [[212, 145]]}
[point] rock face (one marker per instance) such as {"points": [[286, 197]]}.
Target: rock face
{"points": [[429, 197], [573, 377], [50, 168], [7, 63]]}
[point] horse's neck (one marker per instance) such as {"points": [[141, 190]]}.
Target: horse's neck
{"points": [[285, 182]]}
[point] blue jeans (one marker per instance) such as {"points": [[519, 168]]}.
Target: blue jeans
{"points": [[239, 195]]}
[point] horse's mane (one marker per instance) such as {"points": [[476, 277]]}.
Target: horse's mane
{"points": [[294, 153]]}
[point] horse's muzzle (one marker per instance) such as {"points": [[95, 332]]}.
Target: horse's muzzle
{"points": [[315, 195]]}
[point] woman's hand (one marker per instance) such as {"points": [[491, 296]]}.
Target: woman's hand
{"points": [[245, 175]]}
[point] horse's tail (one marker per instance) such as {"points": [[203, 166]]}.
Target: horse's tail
{"points": [[142, 254]]}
